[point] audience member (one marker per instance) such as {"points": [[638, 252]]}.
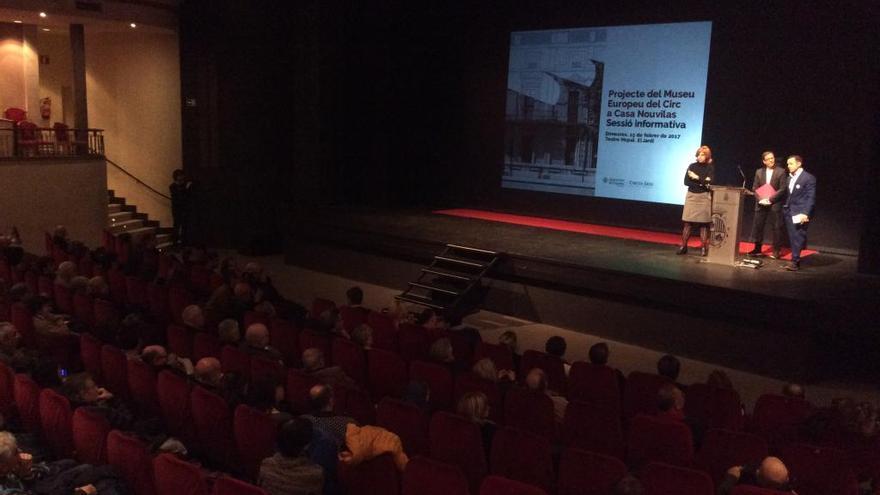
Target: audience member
{"points": [[536, 381], [46, 323], [418, 393], [158, 358], [321, 404], [98, 288], [669, 366], [628, 485], [208, 373], [485, 369], [79, 285], [556, 346], [263, 290], [81, 390], [228, 332], [719, 379], [508, 339], [11, 353], [193, 318], [794, 390], [256, 343], [599, 354], [362, 335], [769, 473], [670, 405], [65, 273], [289, 471], [474, 406], [315, 366], [267, 396]]}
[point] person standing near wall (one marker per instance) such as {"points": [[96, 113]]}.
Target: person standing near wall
{"points": [[181, 206]]}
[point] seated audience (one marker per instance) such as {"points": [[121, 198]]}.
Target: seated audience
{"points": [[362, 335], [670, 405], [628, 485], [315, 366], [556, 346], [536, 381], [485, 369], [769, 473], [65, 273], [509, 340], [193, 318], [11, 353], [256, 343], [669, 366], [263, 290], [46, 323], [289, 471], [208, 373], [475, 407], [418, 393], [321, 415], [228, 332], [719, 379], [794, 390], [266, 396], [598, 355], [159, 359], [98, 288], [81, 390]]}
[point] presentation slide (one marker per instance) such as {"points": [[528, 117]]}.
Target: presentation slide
{"points": [[615, 112]]}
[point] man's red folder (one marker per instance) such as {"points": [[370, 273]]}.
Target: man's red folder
{"points": [[765, 191]]}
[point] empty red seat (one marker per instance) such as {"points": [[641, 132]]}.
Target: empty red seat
{"points": [[407, 421], [225, 485], [254, 438], [424, 476], [55, 422], [27, 401], [659, 439], [90, 429], [497, 485], [178, 299], [468, 382], [180, 340], [353, 317], [114, 365], [90, 353], [142, 386], [7, 390], [588, 473], [523, 456], [205, 345], [106, 314], [530, 411], [84, 309], [412, 340], [356, 403], [552, 366], [117, 285], [173, 393], [594, 427], [63, 299], [136, 291], [457, 441], [594, 383], [819, 470], [320, 305], [235, 360], [384, 331], [387, 373], [660, 478], [722, 449], [200, 279], [297, 389], [501, 355], [439, 380], [132, 460], [714, 407], [377, 475], [640, 396], [777, 418], [213, 426], [178, 477], [157, 301], [284, 336], [266, 369], [351, 358]]}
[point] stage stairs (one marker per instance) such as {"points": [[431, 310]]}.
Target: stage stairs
{"points": [[452, 280], [124, 218]]}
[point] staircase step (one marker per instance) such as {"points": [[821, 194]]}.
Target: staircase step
{"points": [[162, 237], [126, 225], [120, 216], [446, 274], [433, 288], [114, 207], [415, 299], [461, 262], [136, 231], [473, 251]]}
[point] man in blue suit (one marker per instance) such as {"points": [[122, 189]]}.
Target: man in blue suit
{"points": [[797, 208]]}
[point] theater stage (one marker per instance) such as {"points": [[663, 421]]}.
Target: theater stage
{"points": [[825, 305]]}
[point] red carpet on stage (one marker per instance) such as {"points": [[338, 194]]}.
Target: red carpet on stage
{"points": [[589, 228]]}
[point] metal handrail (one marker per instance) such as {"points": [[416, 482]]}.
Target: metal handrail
{"points": [[126, 172]]}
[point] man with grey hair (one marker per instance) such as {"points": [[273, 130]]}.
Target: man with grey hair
{"points": [[315, 366], [536, 381], [11, 352], [193, 317], [770, 473], [256, 343]]}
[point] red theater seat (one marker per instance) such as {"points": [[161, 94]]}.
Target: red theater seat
{"points": [[173, 393], [425, 476], [353, 317], [596, 428], [722, 449], [178, 299], [27, 400], [7, 390], [530, 411], [496, 485], [377, 475], [588, 473], [90, 430], [157, 299], [387, 374], [265, 369], [297, 390], [664, 479], [523, 456], [754, 490], [439, 380], [320, 305], [225, 485], [715, 407], [384, 331], [180, 340], [351, 358], [499, 354], [284, 336], [552, 366], [235, 360], [90, 353], [132, 460], [407, 421], [55, 422], [106, 314], [213, 426], [777, 419], [413, 342], [457, 441], [114, 365], [657, 439], [355, 403], [116, 282], [819, 471], [254, 438], [178, 477], [594, 384], [136, 291], [468, 382], [640, 396], [205, 345], [24, 322], [309, 339], [251, 317], [142, 385]]}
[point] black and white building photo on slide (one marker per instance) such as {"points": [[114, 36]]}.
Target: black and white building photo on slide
{"points": [[554, 91]]}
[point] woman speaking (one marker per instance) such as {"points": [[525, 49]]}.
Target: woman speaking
{"points": [[698, 202]]}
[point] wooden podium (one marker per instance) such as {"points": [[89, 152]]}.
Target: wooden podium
{"points": [[727, 214]]}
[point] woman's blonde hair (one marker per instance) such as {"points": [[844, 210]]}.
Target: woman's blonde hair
{"points": [[485, 369], [474, 406]]}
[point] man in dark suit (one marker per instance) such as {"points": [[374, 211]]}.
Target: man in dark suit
{"points": [[798, 207], [768, 206]]}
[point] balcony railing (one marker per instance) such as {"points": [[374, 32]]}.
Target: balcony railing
{"points": [[42, 142]]}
